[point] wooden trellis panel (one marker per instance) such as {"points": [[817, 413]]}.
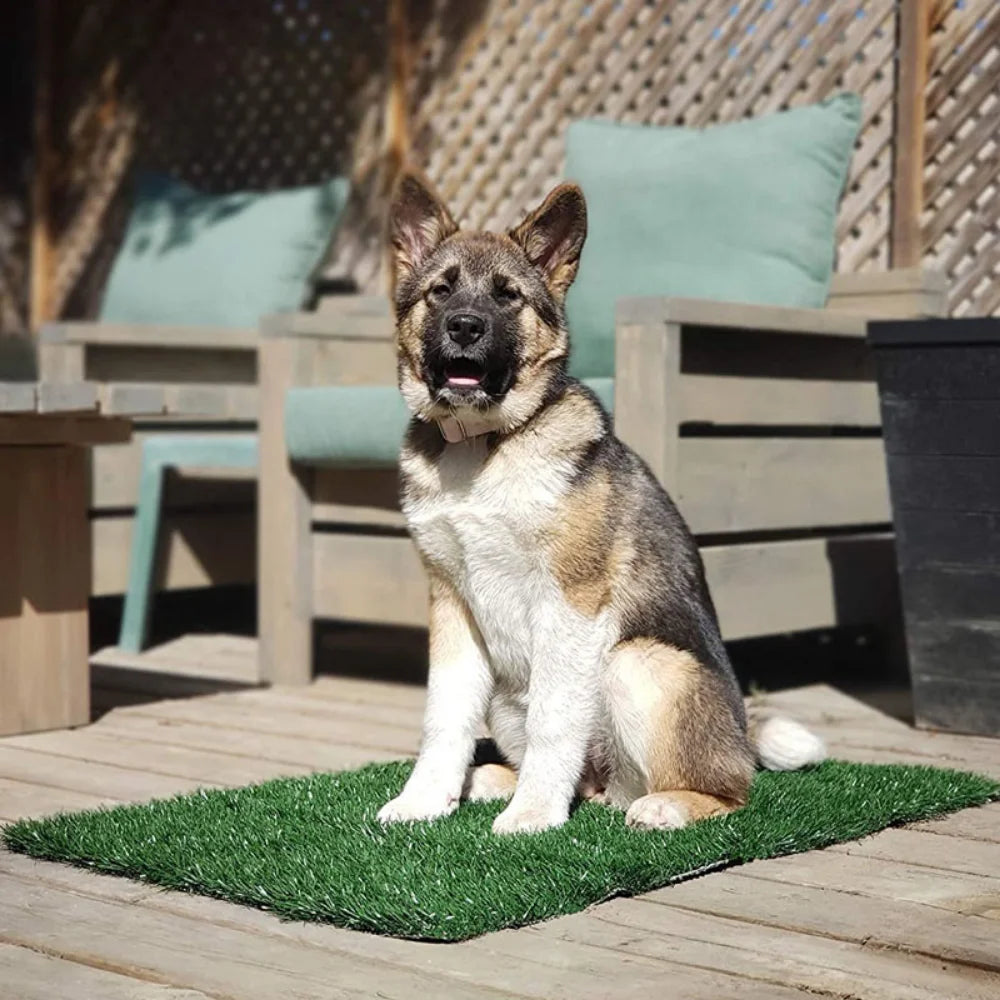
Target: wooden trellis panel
{"points": [[491, 131], [961, 218], [268, 93]]}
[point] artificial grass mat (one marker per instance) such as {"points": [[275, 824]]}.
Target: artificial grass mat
{"points": [[311, 848]]}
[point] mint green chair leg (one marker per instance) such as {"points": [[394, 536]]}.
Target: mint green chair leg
{"points": [[159, 453]]}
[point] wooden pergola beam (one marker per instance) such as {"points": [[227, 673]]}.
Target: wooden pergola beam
{"points": [[40, 294], [911, 115]]}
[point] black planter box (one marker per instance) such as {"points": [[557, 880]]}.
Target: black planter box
{"points": [[939, 383]]}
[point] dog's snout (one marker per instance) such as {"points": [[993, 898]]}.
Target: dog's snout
{"points": [[465, 328]]}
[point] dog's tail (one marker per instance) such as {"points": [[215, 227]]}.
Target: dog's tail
{"points": [[782, 744]]}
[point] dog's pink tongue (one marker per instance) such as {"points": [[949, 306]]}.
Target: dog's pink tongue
{"points": [[462, 380]]}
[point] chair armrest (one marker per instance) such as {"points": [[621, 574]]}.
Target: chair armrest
{"points": [[348, 317], [650, 397], [83, 333], [737, 315]]}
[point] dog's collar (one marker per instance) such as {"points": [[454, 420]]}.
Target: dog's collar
{"points": [[453, 429]]}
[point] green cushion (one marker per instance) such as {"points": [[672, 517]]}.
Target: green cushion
{"points": [[359, 425], [190, 258], [742, 212]]}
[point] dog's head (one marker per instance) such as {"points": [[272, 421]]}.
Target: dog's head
{"points": [[479, 316]]}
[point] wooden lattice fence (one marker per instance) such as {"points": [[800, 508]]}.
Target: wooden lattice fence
{"points": [[960, 222], [266, 93]]}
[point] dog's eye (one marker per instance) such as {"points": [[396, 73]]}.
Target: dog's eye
{"points": [[507, 294], [440, 291]]}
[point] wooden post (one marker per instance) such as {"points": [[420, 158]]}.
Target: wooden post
{"points": [[647, 386], [40, 304], [284, 541], [911, 108], [396, 125]]}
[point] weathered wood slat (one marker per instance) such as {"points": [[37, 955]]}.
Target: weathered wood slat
{"points": [[217, 938], [323, 754], [742, 400], [116, 469], [28, 974], [67, 397], [199, 337], [809, 962], [178, 950], [199, 549], [17, 397], [733, 484]]}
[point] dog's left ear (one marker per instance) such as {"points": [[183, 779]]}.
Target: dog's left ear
{"points": [[553, 235]]}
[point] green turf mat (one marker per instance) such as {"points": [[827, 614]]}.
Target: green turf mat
{"points": [[311, 849]]}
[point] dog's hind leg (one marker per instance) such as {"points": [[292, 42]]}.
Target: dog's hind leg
{"points": [[679, 750], [488, 782]]}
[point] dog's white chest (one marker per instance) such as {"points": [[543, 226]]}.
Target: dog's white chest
{"points": [[483, 530]]}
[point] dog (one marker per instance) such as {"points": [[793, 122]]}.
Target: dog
{"points": [[568, 604]]}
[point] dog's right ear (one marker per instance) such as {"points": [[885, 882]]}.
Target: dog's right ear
{"points": [[418, 222]]}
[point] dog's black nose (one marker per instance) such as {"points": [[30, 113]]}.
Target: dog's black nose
{"points": [[465, 328]]}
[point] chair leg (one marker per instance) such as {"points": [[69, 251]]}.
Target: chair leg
{"points": [[142, 560]]}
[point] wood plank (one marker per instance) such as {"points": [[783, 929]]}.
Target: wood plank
{"points": [[738, 315], [216, 400], [142, 334], [227, 658], [508, 964], [19, 799], [745, 400], [896, 279], [106, 781], [367, 323], [17, 397], [899, 925], [92, 746], [177, 949], [315, 754], [266, 717], [284, 547], [67, 397], [771, 587], [29, 429], [647, 397], [891, 881], [911, 113], [200, 550], [132, 398], [28, 974], [924, 849], [733, 484], [812, 963], [43, 589], [116, 470]]}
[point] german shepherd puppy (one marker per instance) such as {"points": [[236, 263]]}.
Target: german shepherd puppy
{"points": [[569, 609]]}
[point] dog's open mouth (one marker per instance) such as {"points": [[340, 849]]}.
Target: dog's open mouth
{"points": [[463, 373]]}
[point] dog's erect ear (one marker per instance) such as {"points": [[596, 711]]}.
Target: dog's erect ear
{"points": [[418, 222], [552, 236]]}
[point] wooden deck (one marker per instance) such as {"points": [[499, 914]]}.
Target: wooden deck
{"points": [[909, 913]]}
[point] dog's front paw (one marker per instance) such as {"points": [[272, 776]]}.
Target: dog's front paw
{"points": [[529, 818], [410, 807]]}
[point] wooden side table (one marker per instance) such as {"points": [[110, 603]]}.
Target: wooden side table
{"points": [[45, 557]]}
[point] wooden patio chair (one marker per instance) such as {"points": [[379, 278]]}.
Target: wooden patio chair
{"points": [[763, 422], [196, 388]]}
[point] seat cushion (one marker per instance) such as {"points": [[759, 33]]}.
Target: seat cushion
{"points": [[359, 426], [741, 212], [190, 258]]}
